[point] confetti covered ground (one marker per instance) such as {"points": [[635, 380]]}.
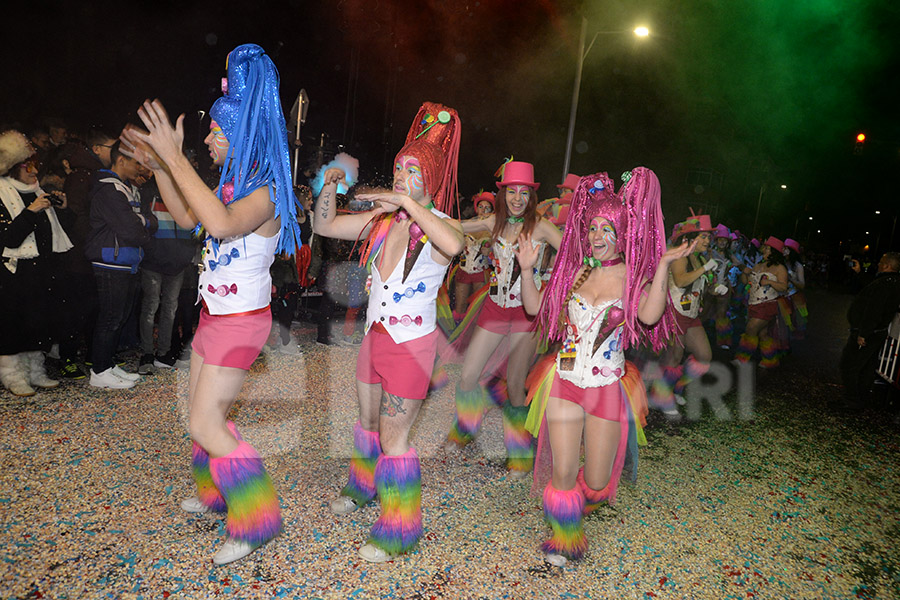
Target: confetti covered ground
{"points": [[796, 502]]}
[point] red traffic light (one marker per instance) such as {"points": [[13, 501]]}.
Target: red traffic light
{"points": [[860, 137]]}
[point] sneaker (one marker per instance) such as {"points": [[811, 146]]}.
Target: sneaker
{"points": [[117, 370], [343, 505], [146, 366], [672, 415], [164, 361], [108, 379], [517, 475], [373, 554], [233, 550], [679, 400], [193, 505], [70, 370], [557, 560]]}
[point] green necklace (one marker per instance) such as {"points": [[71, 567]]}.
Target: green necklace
{"points": [[514, 220]]}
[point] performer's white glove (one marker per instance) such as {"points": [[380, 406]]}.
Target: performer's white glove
{"points": [[720, 290], [711, 264]]}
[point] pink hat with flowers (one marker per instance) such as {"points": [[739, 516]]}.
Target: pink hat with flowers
{"points": [[792, 244], [722, 231], [693, 224]]}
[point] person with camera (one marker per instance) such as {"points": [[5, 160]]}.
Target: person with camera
{"points": [[118, 230], [30, 233]]}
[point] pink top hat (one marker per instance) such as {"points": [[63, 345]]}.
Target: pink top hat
{"points": [[695, 223], [722, 231], [518, 173], [792, 244], [570, 183], [774, 243]]}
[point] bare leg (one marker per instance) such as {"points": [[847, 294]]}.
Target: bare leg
{"points": [[523, 347], [369, 396], [565, 424], [756, 326], [697, 343], [397, 418], [215, 391], [481, 348], [601, 442]]}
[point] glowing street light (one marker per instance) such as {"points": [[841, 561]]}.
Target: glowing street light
{"points": [[877, 212], [641, 32]]}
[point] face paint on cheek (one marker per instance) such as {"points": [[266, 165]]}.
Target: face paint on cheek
{"points": [[416, 182]]}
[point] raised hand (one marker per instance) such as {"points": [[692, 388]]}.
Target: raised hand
{"points": [[526, 253], [132, 145], [164, 139], [684, 249]]}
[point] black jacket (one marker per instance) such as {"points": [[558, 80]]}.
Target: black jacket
{"points": [[875, 305], [117, 232]]}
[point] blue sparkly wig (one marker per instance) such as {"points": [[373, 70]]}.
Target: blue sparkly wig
{"points": [[251, 118]]}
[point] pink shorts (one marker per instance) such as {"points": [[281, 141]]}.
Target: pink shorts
{"points": [[505, 321], [473, 278], [764, 310], [402, 369], [604, 402], [232, 340], [685, 323]]}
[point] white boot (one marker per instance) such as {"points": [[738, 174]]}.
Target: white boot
{"points": [[13, 376], [37, 374]]}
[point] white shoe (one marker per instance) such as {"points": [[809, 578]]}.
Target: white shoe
{"points": [[20, 388], [672, 415], [373, 554], [233, 550], [122, 374], [108, 379], [452, 448], [290, 349], [54, 351], [42, 381], [343, 505], [679, 400], [557, 560], [194, 506], [517, 475]]}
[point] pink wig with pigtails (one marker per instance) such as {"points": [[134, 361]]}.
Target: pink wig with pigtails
{"points": [[636, 215]]}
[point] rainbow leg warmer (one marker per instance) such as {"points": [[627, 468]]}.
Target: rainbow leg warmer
{"points": [[724, 331], [519, 447], [207, 491], [563, 512], [366, 450], [746, 348], [399, 483], [254, 515], [693, 370], [769, 350], [661, 390], [592, 498], [469, 413]]}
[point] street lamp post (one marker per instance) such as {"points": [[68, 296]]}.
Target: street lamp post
{"points": [[582, 54]]}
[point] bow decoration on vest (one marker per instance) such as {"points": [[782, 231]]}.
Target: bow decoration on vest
{"points": [[410, 292], [224, 260]]}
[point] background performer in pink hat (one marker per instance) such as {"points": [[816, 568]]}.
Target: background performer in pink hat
{"points": [[607, 293], [688, 280], [502, 318], [768, 279], [475, 262]]}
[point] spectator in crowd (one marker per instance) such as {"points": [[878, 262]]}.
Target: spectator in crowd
{"points": [[167, 256], [30, 234], [77, 276], [118, 230], [870, 315]]}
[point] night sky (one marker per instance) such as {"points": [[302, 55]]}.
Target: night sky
{"points": [[754, 90]]}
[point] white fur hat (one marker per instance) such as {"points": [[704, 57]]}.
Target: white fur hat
{"points": [[14, 148]]}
